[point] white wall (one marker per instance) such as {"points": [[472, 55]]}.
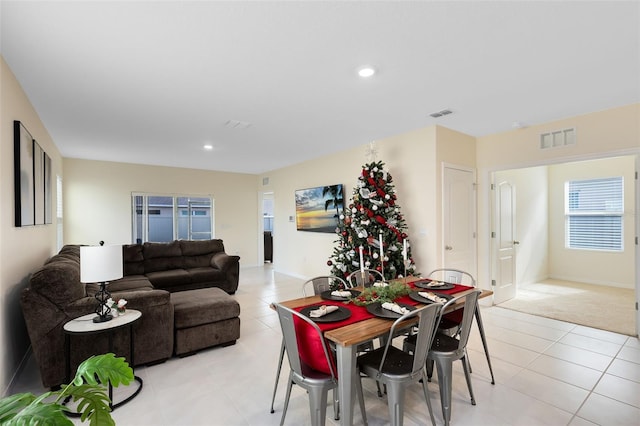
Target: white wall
{"points": [[607, 133], [22, 250], [531, 192], [97, 201], [596, 267]]}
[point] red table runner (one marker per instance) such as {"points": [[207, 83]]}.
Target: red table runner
{"points": [[310, 347]]}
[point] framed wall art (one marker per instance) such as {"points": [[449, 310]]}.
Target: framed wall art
{"points": [[318, 209], [23, 175]]}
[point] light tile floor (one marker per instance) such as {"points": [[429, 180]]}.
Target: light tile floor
{"points": [[547, 373]]}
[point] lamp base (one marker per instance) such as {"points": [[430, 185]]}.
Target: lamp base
{"points": [[103, 318]]}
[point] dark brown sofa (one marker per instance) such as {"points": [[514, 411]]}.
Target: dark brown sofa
{"points": [[182, 265], [152, 271]]}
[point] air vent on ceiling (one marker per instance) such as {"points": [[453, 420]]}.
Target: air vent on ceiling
{"points": [[440, 113], [237, 124], [558, 138], [265, 181]]}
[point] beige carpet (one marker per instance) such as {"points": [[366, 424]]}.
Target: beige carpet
{"points": [[602, 307]]}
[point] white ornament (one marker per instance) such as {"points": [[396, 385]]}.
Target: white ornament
{"points": [[341, 217], [367, 264], [374, 207], [387, 196], [354, 210], [375, 169], [375, 255]]}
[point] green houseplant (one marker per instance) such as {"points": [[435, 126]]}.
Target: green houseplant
{"points": [[88, 389]]}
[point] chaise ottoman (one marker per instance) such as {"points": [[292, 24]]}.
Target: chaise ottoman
{"points": [[203, 318]]}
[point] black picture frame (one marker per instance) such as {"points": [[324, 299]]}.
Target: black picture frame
{"points": [[23, 175], [38, 183], [48, 206], [318, 209]]}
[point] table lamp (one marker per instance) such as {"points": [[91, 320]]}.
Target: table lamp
{"points": [[101, 264]]}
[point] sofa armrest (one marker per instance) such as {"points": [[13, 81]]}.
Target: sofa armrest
{"points": [[223, 261], [230, 265]]}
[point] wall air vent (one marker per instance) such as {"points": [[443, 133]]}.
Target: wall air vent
{"points": [[558, 138], [237, 124], [441, 113]]}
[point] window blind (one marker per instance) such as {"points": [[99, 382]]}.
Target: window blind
{"points": [[594, 209]]}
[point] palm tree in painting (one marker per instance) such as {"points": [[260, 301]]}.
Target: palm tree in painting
{"points": [[336, 200]]}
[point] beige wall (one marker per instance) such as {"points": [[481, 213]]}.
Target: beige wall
{"points": [[607, 133], [97, 201], [596, 267], [22, 250], [414, 161]]}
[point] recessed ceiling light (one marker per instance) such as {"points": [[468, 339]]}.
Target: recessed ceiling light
{"points": [[207, 147], [366, 71]]}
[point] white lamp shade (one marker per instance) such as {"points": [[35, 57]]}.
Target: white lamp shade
{"points": [[100, 263]]}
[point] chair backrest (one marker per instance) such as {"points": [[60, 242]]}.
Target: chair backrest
{"points": [[428, 319], [470, 306], [322, 283], [453, 276], [364, 278], [287, 318]]}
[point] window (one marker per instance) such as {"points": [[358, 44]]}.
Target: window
{"points": [[163, 218], [593, 214]]}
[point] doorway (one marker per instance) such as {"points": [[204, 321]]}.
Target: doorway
{"points": [[540, 217], [267, 226]]}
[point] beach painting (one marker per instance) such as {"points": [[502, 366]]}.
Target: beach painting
{"points": [[318, 209]]}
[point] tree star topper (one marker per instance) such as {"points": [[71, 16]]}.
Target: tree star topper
{"points": [[371, 152]]}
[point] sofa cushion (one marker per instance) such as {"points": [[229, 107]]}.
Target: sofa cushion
{"points": [[203, 306], [59, 282], [133, 259], [128, 283], [170, 278], [162, 256], [193, 248], [206, 274]]}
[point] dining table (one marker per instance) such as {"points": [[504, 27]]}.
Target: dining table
{"points": [[361, 328]]}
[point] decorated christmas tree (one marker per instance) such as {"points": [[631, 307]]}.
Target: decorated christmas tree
{"points": [[372, 231]]}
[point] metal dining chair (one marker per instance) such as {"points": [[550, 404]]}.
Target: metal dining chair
{"points": [[444, 350], [318, 284], [322, 283], [315, 382], [397, 369], [364, 278], [450, 323]]}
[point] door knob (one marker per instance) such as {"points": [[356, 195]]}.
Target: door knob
{"points": [[516, 242], [448, 248]]}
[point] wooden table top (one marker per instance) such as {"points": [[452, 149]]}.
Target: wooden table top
{"points": [[363, 331]]}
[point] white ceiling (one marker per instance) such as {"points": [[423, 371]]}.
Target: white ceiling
{"points": [[151, 82]]}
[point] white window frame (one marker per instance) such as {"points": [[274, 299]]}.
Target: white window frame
{"points": [[602, 199], [175, 214]]}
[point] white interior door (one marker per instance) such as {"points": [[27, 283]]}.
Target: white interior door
{"points": [[504, 274], [637, 247], [459, 219]]}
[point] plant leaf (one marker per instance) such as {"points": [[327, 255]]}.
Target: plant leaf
{"points": [[38, 413], [107, 368], [93, 403], [11, 405]]}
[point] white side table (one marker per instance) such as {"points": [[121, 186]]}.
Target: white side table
{"points": [[84, 325]]}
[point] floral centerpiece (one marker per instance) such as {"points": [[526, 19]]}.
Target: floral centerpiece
{"points": [[387, 293]]}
